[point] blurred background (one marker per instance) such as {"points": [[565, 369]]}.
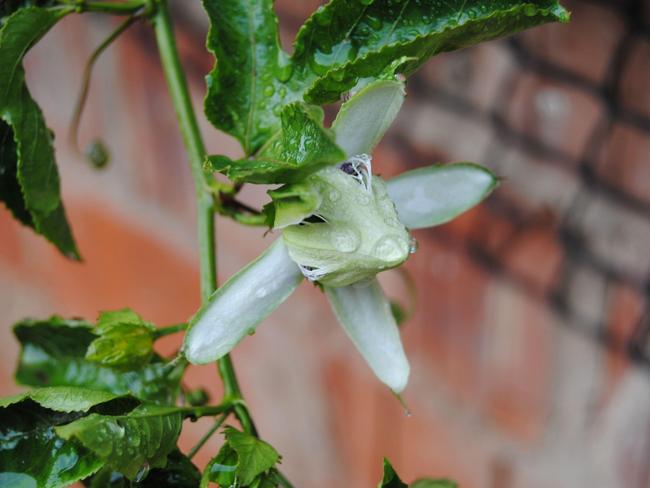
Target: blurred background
{"points": [[530, 343]]}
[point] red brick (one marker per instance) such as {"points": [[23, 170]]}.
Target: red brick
{"points": [[556, 114], [535, 256], [516, 361], [635, 82], [624, 161], [585, 45]]}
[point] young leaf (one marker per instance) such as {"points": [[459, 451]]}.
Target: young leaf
{"points": [[390, 478], [245, 85], [127, 443], [53, 354], [29, 180], [345, 40], [222, 468], [31, 453], [303, 147], [125, 340], [363, 120], [255, 456], [238, 306], [436, 194], [365, 315]]}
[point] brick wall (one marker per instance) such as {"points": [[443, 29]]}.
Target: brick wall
{"points": [[531, 339]]}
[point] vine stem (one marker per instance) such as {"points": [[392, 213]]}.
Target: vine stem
{"points": [[204, 198]]}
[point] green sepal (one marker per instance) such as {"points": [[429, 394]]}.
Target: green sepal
{"points": [[366, 116], [246, 83], [53, 353], [390, 478], [345, 41], [29, 180], [301, 148], [291, 204], [125, 340]]}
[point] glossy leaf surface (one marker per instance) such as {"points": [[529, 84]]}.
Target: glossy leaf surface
{"points": [[53, 354], [436, 194], [238, 306], [302, 147], [365, 315], [129, 442], [245, 86], [179, 472], [31, 453], [345, 40], [29, 181]]}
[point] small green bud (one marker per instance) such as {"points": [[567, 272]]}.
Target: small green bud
{"points": [[355, 233], [198, 397]]}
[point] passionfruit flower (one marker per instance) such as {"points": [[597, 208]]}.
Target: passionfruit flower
{"points": [[341, 226]]}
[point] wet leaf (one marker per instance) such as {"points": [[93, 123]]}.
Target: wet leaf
{"points": [[53, 354], [29, 181]]}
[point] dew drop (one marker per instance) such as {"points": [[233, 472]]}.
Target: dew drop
{"points": [[363, 199], [268, 91], [261, 292], [334, 195], [277, 110], [413, 245], [142, 472], [345, 240], [391, 248], [283, 91]]}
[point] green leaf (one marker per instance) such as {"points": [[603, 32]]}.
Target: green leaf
{"points": [[254, 455], [301, 148], [390, 478], [345, 41], [222, 468], [363, 120], [436, 194], [53, 354], [29, 180], [125, 340], [431, 483], [245, 86], [291, 204], [128, 443], [31, 453], [244, 460], [179, 472]]}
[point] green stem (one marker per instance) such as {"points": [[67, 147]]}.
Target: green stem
{"points": [[169, 330], [118, 8], [220, 420], [205, 204]]}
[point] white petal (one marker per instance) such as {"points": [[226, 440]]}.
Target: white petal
{"points": [[364, 118], [433, 195], [241, 304], [365, 314]]}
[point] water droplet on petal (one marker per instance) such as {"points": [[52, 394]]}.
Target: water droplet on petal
{"points": [[334, 195], [142, 472], [345, 240], [413, 245], [391, 249]]}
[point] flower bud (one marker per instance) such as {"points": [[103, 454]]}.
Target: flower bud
{"points": [[354, 233]]}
